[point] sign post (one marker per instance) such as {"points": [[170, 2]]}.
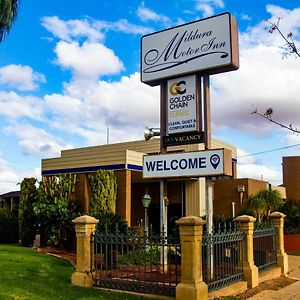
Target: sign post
{"points": [[178, 59]]}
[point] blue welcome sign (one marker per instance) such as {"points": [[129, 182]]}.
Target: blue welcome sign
{"points": [[188, 164]]}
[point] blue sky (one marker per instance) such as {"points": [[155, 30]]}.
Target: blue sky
{"points": [[69, 69]]}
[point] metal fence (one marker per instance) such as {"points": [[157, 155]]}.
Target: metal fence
{"points": [[264, 246], [222, 256], [135, 261]]}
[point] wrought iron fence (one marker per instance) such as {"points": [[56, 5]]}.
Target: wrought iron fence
{"points": [[222, 256], [264, 246], [135, 261]]}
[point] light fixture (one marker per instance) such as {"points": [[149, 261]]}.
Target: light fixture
{"points": [[151, 132], [146, 199]]}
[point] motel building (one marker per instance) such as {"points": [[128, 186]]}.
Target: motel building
{"points": [[186, 196]]}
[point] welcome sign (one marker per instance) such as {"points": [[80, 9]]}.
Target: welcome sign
{"points": [[189, 164], [182, 105], [209, 44]]}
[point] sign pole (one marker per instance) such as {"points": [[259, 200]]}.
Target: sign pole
{"points": [[163, 182], [208, 180]]}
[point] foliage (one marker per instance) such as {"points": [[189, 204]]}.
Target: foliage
{"points": [[26, 274], [292, 220], [264, 202], [27, 218], [8, 13], [258, 204], [103, 190], [111, 223], [273, 200], [140, 257], [55, 209], [9, 227]]}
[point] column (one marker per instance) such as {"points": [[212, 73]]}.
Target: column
{"points": [[191, 285], [250, 271], [277, 220], [84, 227]]}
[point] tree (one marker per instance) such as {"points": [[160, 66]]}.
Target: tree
{"points": [[268, 116], [103, 189], [258, 204], [264, 202], [273, 200], [290, 46], [8, 14], [27, 218]]}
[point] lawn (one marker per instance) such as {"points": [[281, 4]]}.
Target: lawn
{"points": [[27, 274]]}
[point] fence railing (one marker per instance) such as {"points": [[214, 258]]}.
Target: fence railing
{"points": [[264, 246], [222, 256], [161, 265], [134, 261]]}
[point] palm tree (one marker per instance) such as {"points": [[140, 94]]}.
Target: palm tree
{"points": [[273, 200], [258, 204], [8, 14]]}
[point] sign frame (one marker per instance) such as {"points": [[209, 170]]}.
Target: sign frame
{"points": [[174, 165], [156, 65]]}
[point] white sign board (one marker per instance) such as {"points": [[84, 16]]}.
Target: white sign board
{"points": [[208, 44], [182, 105], [189, 164]]}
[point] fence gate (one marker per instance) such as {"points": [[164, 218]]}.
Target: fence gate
{"points": [[222, 256], [134, 261], [264, 246]]}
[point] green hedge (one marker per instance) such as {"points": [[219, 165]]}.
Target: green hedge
{"points": [[9, 227]]}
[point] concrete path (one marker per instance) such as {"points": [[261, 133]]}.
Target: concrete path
{"points": [[290, 292]]}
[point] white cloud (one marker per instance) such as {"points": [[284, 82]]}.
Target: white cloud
{"points": [[8, 177], [20, 77], [145, 14], [127, 106], [124, 26], [207, 7], [248, 167], [89, 61], [72, 29], [35, 141], [14, 106], [263, 80]]}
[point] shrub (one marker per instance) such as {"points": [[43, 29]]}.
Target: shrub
{"points": [[27, 219], [103, 188], [9, 227], [292, 220], [55, 210], [110, 222]]}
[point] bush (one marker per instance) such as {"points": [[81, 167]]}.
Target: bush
{"points": [[103, 188], [27, 219], [9, 227], [55, 214], [111, 222], [292, 220]]}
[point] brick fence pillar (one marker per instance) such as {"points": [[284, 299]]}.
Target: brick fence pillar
{"points": [[84, 227], [191, 286], [277, 220], [250, 271]]}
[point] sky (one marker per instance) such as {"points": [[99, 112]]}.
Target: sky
{"points": [[70, 69]]}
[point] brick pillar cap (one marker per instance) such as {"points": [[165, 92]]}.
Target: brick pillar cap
{"points": [[277, 214], [85, 220], [190, 221], [245, 219]]}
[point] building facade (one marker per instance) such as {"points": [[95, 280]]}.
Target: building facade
{"points": [[185, 196]]}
